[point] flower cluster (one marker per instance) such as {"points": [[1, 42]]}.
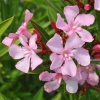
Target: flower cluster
{"points": [[70, 60]]}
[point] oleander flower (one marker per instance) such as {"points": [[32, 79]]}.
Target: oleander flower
{"points": [[8, 41], [54, 81], [63, 56], [27, 53], [75, 21], [88, 74]]}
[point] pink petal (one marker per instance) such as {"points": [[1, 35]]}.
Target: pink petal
{"points": [[71, 12], [28, 16], [55, 44], [23, 40], [98, 66], [51, 86], [60, 24], [56, 62], [85, 35], [72, 86], [16, 52], [7, 41], [93, 78], [74, 42], [89, 19], [46, 76], [84, 77], [82, 56], [23, 65], [32, 42], [69, 68], [22, 30], [97, 4], [35, 61]]}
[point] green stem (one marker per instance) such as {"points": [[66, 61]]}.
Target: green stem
{"points": [[71, 96], [98, 19]]}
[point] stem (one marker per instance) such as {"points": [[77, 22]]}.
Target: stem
{"points": [[71, 96]]}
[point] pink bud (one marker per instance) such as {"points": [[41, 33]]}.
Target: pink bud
{"points": [[38, 34], [97, 56], [87, 7], [96, 48], [53, 24]]}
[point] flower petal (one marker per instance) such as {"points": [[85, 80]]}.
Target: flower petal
{"points": [[35, 61], [7, 41], [71, 12], [85, 35], [56, 62], [23, 65], [98, 66], [84, 77], [60, 24], [28, 16], [97, 4], [89, 19], [32, 42], [51, 86], [55, 44], [46, 76], [72, 86], [74, 42], [93, 78], [23, 40], [82, 56], [69, 68], [16, 52]]}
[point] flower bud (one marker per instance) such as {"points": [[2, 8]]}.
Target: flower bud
{"points": [[97, 56], [87, 7], [53, 24], [96, 48], [37, 33]]}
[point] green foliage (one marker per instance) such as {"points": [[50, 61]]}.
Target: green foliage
{"points": [[5, 24]]}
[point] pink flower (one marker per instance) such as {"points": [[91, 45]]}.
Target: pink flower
{"points": [[63, 55], [54, 81], [89, 75], [8, 41], [27, 54], [97, 4], [74, 26]]}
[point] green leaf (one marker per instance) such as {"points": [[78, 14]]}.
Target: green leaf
{"points": [[39, 94], [51, 14], [98, 19], [52, 5], [5, 24], [57, 97], [1, 98], [3, 49], [43, 33]]}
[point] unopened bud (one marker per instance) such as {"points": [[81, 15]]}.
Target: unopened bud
{"points": [[87, 7], [38, 34], [53, 24], [97, 56], [96, 48]]}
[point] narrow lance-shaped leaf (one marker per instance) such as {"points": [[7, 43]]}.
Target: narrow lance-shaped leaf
{"points": [[51, 14], [98, 19], [39, 95], [5, 24], [44, 34], [52, 5]]}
